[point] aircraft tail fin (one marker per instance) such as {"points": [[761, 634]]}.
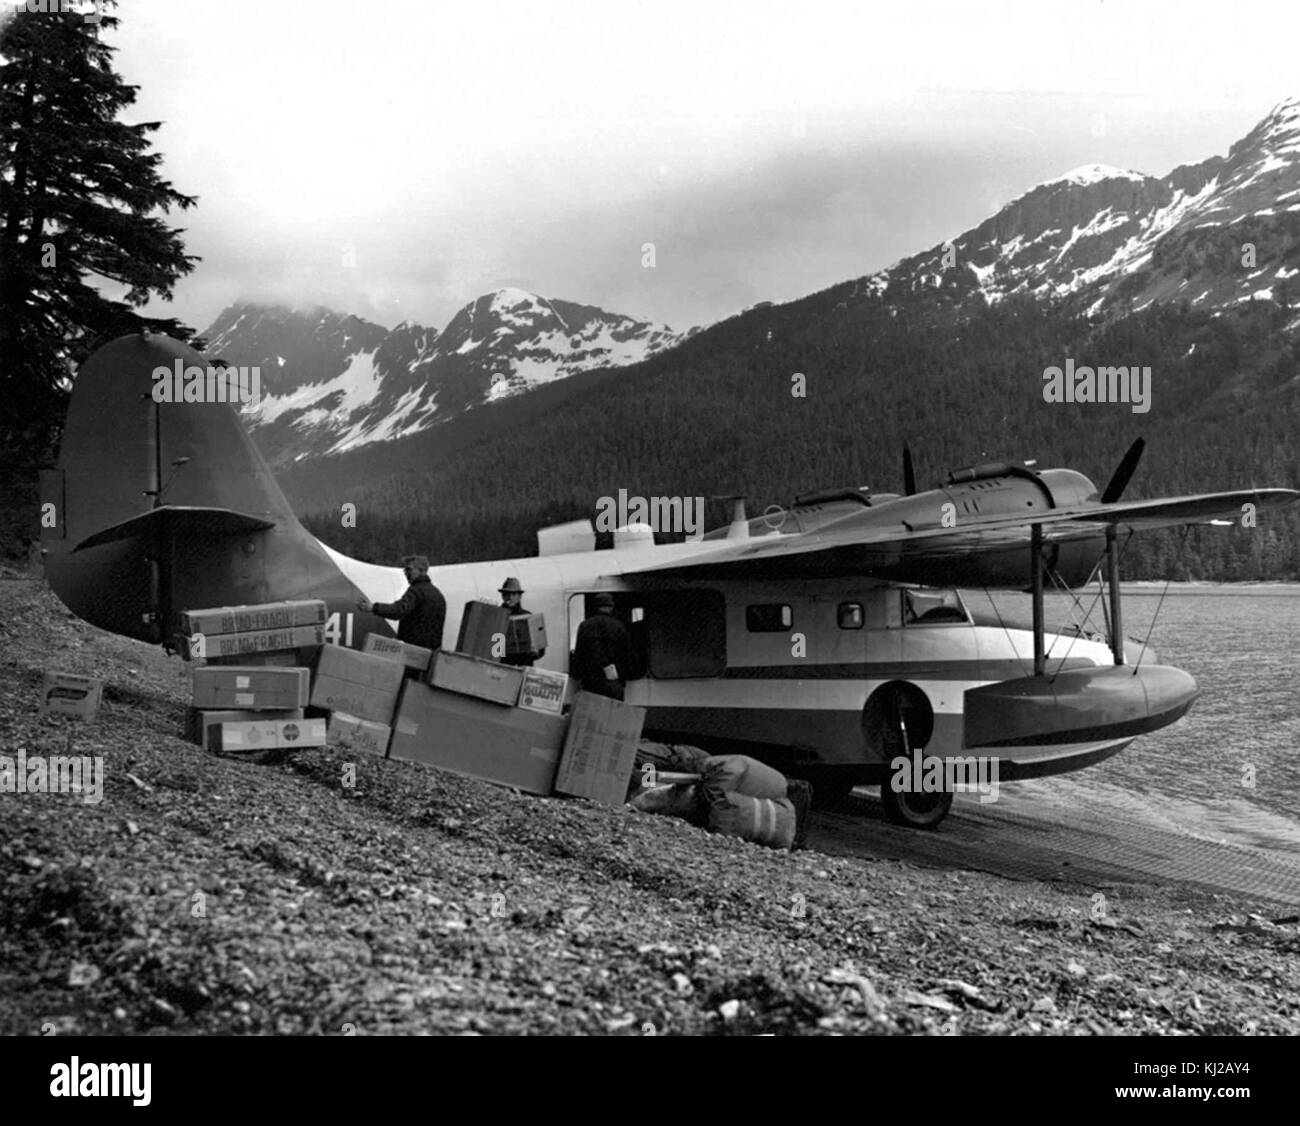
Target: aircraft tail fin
{"points": [[163, 506]]}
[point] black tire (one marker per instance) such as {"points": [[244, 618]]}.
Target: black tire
{"points": [[916, 811]]}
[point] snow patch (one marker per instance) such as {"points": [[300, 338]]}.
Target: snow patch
{"points": [[1095, 174], [356, 383]]}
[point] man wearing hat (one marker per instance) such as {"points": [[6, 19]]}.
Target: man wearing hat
{"points": [[512, 594], [421, 611], [602, 653]]}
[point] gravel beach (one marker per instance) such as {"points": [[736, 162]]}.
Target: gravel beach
{"points": [[322, 892]]}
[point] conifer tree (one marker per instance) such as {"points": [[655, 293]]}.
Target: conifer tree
{"points": [[80, 197]]}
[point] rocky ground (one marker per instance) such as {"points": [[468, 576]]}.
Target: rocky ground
{"points": [[320, 892]]}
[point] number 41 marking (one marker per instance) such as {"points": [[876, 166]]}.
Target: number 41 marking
{"points": [[337, 633]]}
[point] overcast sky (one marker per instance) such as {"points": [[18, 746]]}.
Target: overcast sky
{"points": [[767, 150]]}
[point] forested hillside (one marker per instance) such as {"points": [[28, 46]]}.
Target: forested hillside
{"points": [[717, 416]]}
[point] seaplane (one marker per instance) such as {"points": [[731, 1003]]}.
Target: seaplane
{"points": [[828, 637]]}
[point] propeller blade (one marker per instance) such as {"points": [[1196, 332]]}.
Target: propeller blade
{"points": [[909, 474], [1119, 481]]}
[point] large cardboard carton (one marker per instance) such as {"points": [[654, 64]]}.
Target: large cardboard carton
{"points": [[247, 687], [198, 721], [599, 749], [473, 676], [510, 746], [544, 690], [254, 641], [70, 693], [352, 732], [262, 735], [412, 656], [483, 628], [268, 615], [526, 635], [362, 684]]}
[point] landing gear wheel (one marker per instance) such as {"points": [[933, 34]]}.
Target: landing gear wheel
{"points": [[915, 810]]}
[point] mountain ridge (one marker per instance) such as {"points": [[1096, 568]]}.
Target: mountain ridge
{"points": [[1116, 240], [333, 381]]}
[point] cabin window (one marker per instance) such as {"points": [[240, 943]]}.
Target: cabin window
{"points": [[933, 607], [850, 615], [768, 617], [686, 633]]}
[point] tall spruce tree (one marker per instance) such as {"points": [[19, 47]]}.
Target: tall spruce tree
{"points": [[80, 195]]}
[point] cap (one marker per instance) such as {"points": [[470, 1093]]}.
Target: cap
{"points": [[604, 601], [511, 586]]}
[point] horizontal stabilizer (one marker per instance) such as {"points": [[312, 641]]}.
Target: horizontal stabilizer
{"points": [[195, 520]]}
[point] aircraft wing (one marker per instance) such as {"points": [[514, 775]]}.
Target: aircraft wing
{"points": [[864, 543]]}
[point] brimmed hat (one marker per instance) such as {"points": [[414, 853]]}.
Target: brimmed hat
{"points": [[511, 586]]}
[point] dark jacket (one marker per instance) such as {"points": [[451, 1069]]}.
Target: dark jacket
{"points": [[421, 610], [602, 640]]}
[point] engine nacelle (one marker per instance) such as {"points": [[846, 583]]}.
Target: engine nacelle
{"points": [[979, 492]]}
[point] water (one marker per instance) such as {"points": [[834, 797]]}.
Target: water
{"points": [[1240, 644]]}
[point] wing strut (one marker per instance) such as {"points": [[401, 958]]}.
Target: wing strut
{"points": [[1036, 588], [1112, 581]]}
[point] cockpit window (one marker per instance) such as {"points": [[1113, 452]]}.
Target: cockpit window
{"points": [[923, 607]]}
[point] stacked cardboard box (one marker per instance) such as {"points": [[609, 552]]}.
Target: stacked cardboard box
{"points": [[303, 658], [354, 733], [364, 685], [599, 749], [254, 676], [251, 688], [483, 629], [268, 642], [511, 746], [474, 676], [544, 691], [200, 723], [412, 656], [249, 619], [265, 734], [275, 633]]}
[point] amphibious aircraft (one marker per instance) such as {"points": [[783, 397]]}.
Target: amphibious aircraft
{"points": [[827, 638]]}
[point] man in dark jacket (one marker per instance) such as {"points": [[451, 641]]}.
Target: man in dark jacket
{"points": [[421, 611], [602, 653]]}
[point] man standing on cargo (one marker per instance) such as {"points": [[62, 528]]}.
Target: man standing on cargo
{"points": [[421, 611], [602, 653], [512, 595]]}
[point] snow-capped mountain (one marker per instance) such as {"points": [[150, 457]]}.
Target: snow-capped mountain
{"points": [[333, 382], [1222, 231], [1112, 241]]}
